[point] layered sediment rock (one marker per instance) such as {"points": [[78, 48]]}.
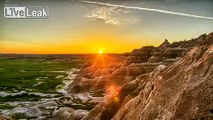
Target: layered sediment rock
{"points": [[97, 76], [182, 90], [69, 114], [171, 81], [5, 118]]}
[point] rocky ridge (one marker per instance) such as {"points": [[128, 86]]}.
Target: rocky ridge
{"points": [[139, 61], [171, 81], [182, 90]]}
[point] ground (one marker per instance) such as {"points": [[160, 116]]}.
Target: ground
{"points": [[33, 78]]}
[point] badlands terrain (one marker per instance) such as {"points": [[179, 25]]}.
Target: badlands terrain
{"points": [[169, 82]]}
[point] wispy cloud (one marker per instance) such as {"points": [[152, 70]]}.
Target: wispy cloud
{"points": [[110, 15], [105, 14], [149, 9]]}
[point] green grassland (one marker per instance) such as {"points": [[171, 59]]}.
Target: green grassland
{"points": [[34, 74], [33, 79], [23, 74]]}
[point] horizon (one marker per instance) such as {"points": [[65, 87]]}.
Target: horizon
{"points": [[85, 27], [97, 52]]}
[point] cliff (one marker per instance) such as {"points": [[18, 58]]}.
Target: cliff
{"points": [[121, 70], [182, 90], [171, 81]]}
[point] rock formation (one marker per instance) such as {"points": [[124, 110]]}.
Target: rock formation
{"points": [[96, 77], [5, 118], [165, 44], [171, 81], [182, 90]]}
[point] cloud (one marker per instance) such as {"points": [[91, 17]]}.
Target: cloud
{"points": [[110, 15], [150, 9], [105, 14]]}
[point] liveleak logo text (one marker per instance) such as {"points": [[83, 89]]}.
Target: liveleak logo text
{"points": [[37, 12]]}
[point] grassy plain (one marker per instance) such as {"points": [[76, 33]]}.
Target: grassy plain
{"points": [[33, 73]]}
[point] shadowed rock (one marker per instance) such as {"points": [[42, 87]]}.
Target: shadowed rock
{"points": [[139, 61], [165, 44], [183, 90]]}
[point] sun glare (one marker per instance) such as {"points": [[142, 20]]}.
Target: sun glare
{"points": [[113, 90], [100, 51]]}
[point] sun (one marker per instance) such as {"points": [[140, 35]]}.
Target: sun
{"points": [[100, 51]]}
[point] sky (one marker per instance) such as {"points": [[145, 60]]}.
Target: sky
{"points": [[117, 26]]}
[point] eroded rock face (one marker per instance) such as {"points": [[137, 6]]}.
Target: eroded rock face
{"points": [[97, 76], [172, 81], [165, 44], [69, 114], [182, 90], [5, 118]]}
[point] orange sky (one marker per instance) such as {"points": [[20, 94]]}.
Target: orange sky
{"points": [[86, 28], [89, 45]]}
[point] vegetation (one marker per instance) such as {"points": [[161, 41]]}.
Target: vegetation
{"points": [[35, 74]]}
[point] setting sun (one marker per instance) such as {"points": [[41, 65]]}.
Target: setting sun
{"points": [[100, 51]]}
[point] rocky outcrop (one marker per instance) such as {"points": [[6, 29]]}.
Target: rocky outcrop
{"points": [[99, 74], [171, 81], [181, 90], [69, 114], [5, 118], [165, 44]]}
